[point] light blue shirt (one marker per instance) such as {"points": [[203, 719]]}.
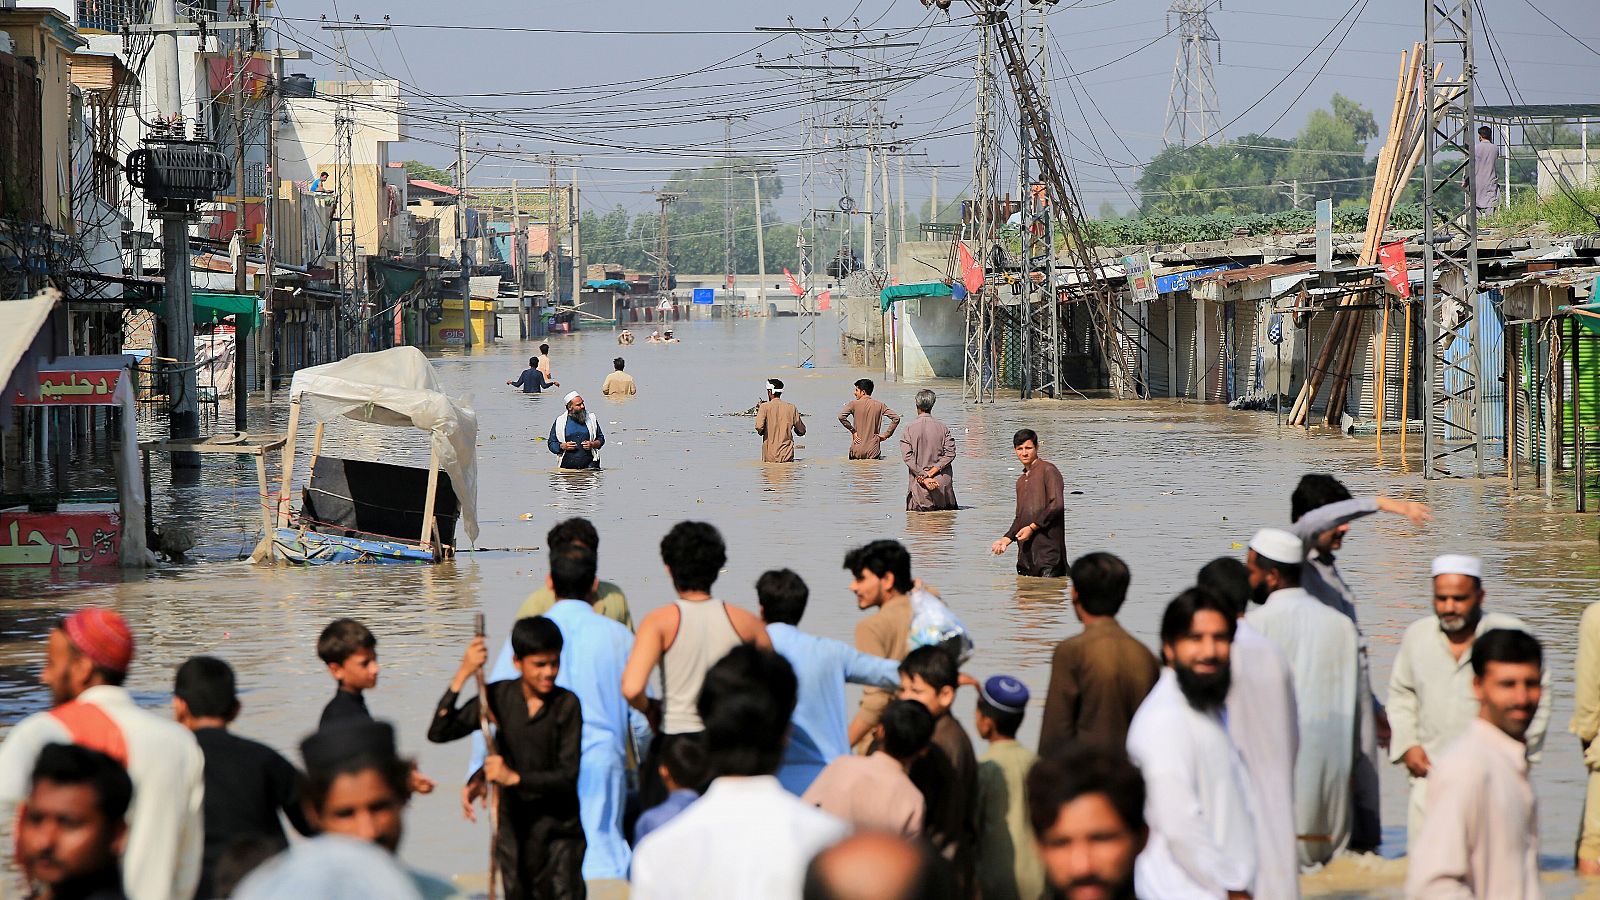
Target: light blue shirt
{"points": [[820, 728]]}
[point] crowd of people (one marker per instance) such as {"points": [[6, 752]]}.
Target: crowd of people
{"points": [[709, 751]]}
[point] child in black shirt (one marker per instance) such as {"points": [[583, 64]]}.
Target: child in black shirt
{"points": [[534, 761]]}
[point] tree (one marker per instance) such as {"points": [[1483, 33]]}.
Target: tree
{"points": [[418, 169], [1330, 159]]}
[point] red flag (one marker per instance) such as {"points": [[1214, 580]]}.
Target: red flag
{"points": [[1393, 258], [824, 301], [971, 272], [794, 285]]}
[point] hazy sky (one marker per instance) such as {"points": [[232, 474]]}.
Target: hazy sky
{"points": [[634, 87]]}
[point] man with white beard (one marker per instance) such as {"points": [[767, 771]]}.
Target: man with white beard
{"points": [[575, 436], [1431, 700]]}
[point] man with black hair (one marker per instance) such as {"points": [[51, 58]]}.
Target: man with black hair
{"points": [[87, 659], [1086, 808], [1431, 697], [1201, 838], [747, 836], [947, 774], [538, 743], [1264, 726], [684, 639], [607, 599], [683, 770], [533, 380], [71, 829], [873, 865], [1008, 867], [863, 418], [1100, 675], [1321, 648], [1039, 527], [619, 383], [819, 732], [357, 786], [594, 651], [1480, 837], [247, 783], [544, 362], [1322, 509], [779, 423], [881, 581], [874, 791]]}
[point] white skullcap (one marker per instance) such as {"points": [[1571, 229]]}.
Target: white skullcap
{"points": [[774, 388], [571, 396], [1279, 546], [1458, 564]]}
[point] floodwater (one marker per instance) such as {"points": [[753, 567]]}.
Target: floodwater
{"points": [[1165, 485]]}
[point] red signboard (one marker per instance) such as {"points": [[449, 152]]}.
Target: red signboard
{"points": [[60, 539], [83, 387]]}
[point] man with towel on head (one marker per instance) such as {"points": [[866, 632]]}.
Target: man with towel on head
{"points": [[778, 422], [575, 436], [1320, 646], [1431, 701]]}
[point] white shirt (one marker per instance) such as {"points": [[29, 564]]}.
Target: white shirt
{"points": [[745, 838], [1481, 834], [1430, 692], [1264, 729], [1201, 840], [165, 831], [1321, 647]]}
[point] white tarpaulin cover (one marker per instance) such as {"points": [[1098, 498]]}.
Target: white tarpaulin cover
{"points": [[398, 387], [21, 321]]}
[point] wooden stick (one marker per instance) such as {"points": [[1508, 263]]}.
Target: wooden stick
{"points": [[1382, 399], [1405, 389], [428, 529], [288, 462], [485, 723]]}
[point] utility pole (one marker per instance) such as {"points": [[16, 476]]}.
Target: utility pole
{"points": [[1192, 108], [869, 190], [575, 215], [552, 215], [663, 260], [162, 62], [351, 282], [727, 200], [519, 249], [933, 198], [463, 247], [761, 249], [241, 274], [900, 188]]}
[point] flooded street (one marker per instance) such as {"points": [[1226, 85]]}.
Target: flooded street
{"points": [[1167, 486]]}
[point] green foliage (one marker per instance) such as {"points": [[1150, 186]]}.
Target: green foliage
{"points": [[417, 169], [1182, 229], [1558, 212], [1255, 174]]}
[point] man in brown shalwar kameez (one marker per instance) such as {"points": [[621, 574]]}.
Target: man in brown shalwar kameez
{"points": [[930, 455], [863, 417], [1039, 530], [778, 422]]}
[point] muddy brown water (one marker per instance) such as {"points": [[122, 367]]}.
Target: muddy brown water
{"points": [[1166, 485]]}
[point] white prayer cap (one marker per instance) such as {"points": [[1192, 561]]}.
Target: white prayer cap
{"points": [[1458, 564], [774, 387], [1279, 546], [571, 396]]}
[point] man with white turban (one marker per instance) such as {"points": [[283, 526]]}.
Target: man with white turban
{"points": [[778, 422], [1431, 700], [575, 436], [1320, 645]]}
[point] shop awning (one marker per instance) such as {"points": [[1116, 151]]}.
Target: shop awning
{"points": [[209, 308], [895, 293], [608, 284], [1588, 315]]}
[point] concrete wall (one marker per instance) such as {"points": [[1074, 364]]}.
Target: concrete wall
{"points": [[1555, 165], [48, 38], [930, 333]]}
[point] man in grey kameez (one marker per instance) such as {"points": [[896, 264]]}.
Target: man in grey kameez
{"points": [[1485, 172], [930, 455], [1322, 510]]}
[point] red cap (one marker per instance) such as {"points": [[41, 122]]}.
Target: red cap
{"points": [[103, 636]]}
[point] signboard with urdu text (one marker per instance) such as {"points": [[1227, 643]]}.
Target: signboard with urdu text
{"points": [[705, 296], [1141, 284], [78, 388], [65, 538]]}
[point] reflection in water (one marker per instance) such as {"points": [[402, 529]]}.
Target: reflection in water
{"points": [[1167, 486]]}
